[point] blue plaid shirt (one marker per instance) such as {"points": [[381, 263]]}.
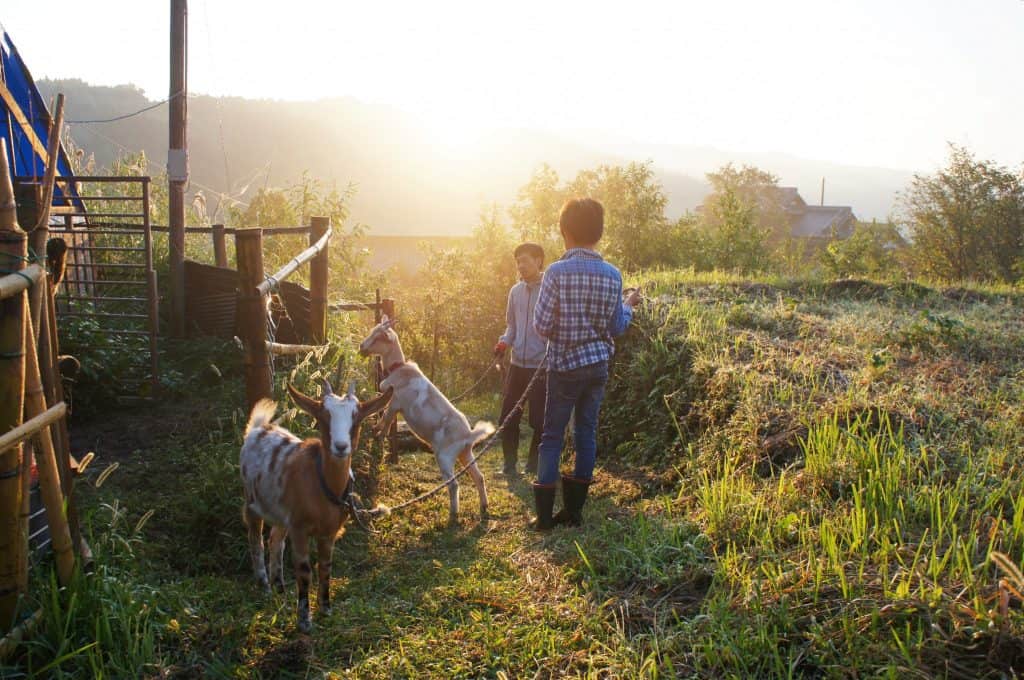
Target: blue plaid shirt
{"points": [[579, 310]]}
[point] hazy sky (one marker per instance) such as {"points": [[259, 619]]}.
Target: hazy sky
{"points": [[869, 82]]}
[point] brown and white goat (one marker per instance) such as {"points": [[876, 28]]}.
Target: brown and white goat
{"points": [[297, 486], [428, 413]]}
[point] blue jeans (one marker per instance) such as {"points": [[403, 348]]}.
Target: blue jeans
{"points": [[581, 389]]}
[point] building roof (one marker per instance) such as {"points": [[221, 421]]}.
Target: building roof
{"points": [[824, 220]]}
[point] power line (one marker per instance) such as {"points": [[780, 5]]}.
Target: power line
{"points": [[164, 168], [127, 115]]}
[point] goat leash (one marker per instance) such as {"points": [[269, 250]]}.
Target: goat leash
{"points": [[383, 510], [495, 365], [347, 498]]}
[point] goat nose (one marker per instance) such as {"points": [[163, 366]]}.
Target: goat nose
{"points": [[340, 449]]}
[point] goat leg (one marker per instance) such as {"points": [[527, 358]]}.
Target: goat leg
{"points": [[254, 523], [277, 537], [303, 575], [324, 549]]}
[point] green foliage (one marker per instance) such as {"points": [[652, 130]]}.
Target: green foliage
{"points": [[966, 220], [452, 315], [751, 190], [104, 624], [869, 251], [734, 239], [637, 233]]}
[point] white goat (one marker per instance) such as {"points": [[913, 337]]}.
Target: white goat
{"points": [[298, 487], [429, 414]]}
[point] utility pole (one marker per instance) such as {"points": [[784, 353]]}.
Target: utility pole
{"points": [[822, 191], [177, 162]]}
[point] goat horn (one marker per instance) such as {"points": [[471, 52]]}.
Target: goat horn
{"points": [[327, 387]]}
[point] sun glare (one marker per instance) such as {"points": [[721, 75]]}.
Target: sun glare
{"points": [[456, 136]]}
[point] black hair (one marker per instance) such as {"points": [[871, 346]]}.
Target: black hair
{"points": [[583, 220], [532, 249]]}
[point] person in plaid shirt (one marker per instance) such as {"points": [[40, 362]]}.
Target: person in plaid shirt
{"points": [[580, 309]]}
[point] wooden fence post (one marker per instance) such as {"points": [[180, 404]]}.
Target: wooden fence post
{"points": [[387, 306], [13, 249], [220, 247], [252, 315], [318, 283]]}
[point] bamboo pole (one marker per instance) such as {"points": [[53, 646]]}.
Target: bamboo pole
{"points": [[63, 436], [13, 284], [281, 349], [13, 249], [46, 460], [33, 425], [11, 641], [319, 226], [302, 258], [252, 315]]}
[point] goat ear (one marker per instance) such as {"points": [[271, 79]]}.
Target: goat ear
{"points": [[371, 406], [307, 404]]}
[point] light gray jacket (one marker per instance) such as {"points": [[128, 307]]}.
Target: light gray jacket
{"points": [[527, 347]]}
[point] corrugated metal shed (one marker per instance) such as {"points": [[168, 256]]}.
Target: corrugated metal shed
{"points": [[211, 303]]}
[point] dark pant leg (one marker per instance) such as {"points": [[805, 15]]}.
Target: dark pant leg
{"points": [[536, 401], [561, 397], [514, 386], [588, 406]]}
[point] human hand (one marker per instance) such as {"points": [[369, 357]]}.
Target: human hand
{"points": [[499, 349], [631, 297]]}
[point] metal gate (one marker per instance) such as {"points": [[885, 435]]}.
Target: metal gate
{"points": [[108, 302]]}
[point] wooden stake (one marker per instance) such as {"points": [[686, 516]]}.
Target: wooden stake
{"points": [[252, 315], [220, 246]]}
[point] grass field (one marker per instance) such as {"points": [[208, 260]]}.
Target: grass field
{"points": [[796, 479]]}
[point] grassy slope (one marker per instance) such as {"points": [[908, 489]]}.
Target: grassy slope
{"points": [[799, 479]]}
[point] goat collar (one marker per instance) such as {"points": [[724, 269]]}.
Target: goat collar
{"points": [[393, 367], [331, 496]]}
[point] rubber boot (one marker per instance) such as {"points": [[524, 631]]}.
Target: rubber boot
{"points": [[510, 447], [574, 496], [544, 498]]}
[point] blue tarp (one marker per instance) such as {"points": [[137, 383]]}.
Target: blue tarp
{"points": [[26, 120]]}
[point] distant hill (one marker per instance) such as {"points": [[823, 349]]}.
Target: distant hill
{"points": [[406, 185]]}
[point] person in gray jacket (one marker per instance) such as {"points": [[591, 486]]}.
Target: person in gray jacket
{"points": [[527, 353]]}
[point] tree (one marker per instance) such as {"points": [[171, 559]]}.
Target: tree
{"points": [[733, 239], [635, 226], [869, 251], [966, 221], [637, 233], [755, 189], [535, 214]]}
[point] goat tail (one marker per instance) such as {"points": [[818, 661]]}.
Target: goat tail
{"points": [[262, 414], [481, 430]]}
